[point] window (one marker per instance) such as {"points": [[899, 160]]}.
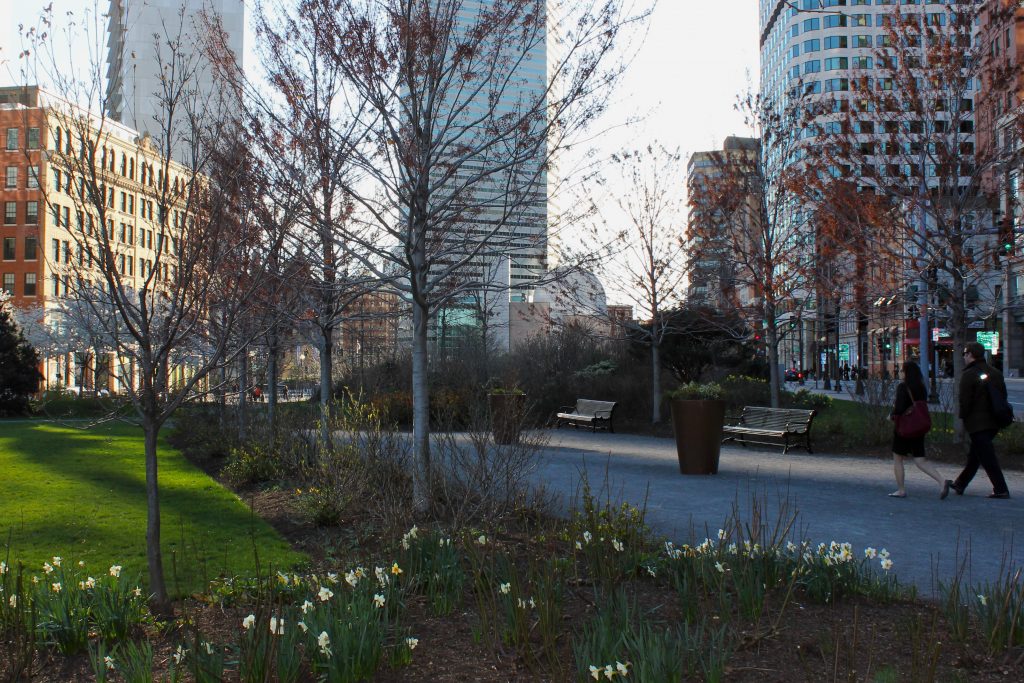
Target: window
{"points": [[33, 177], [55, 244], [31, 212], [794, 30], [56, 284], [9, 283], [124, 202], [812, 88], [56, 180], [110, 198], [835, 42], [794, 51], [834, 63], [812, 45], [812, 24], [860, 20], [883, 41], [30, 249], [11, 177], [67, 217], [861, 41], [10, 213], [812, 66], [9, 243], [33, 138], [12, 139], [837, 85], [835, 20], [862, 62], [30, 284]]}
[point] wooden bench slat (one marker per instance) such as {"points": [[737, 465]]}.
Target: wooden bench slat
{"points": [[588, 412], [777, 423]]}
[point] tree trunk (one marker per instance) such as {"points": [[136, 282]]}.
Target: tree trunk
{"points": [[420, 408], [326, 391], [655, 384], [272, 380], [773, 364], [243, 384], [222, 394], [159, 602]]}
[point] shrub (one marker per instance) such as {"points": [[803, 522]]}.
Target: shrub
{"points": [[252, 463], [696, 391], [746, 391], [810, 400]]}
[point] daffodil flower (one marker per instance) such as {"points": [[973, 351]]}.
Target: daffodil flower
{"points": [[56, 561], [302, 626], [719, 567], [13, 601], [109, 662], [306, 606], [179, 655], [324, 594], [47, 568], [617, 545], [623, 669], [277, 626], [505, 588], [323, 641], [481, 540], [395, 569], [587, 536], [248, 622], [3, 568], [56, 587], [595, 673], [332, 577], [886, 564], [90, 582], [378, 600], [115, 570], [411, 642], [983, 600]]}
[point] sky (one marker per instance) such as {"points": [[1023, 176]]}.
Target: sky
{"points": [[680, 87]]}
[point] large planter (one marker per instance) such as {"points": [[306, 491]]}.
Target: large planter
{"points": [[698, 428], [508, 412]]}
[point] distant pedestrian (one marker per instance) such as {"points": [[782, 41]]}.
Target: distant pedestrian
{"points": [[911, 396], [976, 382]]}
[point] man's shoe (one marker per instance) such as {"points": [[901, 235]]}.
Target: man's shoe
{"points": [[999, 495], [959, 491], [945, 489]]}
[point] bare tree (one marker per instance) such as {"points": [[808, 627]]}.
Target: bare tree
{"points": [[750, 208], [648, 264], [454, 112], [147, 251]]}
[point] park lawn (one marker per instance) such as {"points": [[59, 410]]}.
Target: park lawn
{"points": [[80, 494]]}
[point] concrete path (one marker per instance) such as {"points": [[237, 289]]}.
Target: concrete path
{"points": [[837, 497]]}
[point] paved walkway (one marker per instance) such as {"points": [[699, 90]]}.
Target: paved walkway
{"points": [[840, 498]]}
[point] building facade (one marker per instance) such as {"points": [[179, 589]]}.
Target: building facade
{"points": [[51, 228]]}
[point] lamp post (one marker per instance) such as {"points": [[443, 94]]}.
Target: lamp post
{"points": [[839, 374]]}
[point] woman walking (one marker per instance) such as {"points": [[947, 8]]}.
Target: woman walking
{"points": [[909, 391]]}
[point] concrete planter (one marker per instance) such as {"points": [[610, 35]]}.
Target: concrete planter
{"points": [[698, 428]]}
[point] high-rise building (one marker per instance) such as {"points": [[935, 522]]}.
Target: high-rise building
{"points": [[138, 54], [711, 273]]}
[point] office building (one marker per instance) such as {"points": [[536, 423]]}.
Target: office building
{"points": [[138, 53]]}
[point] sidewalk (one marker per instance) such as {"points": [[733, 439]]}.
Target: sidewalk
{"points": [[840, 498]]}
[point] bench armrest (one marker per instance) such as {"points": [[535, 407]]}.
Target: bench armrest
{"points": [[567, 409], [602, 413]]}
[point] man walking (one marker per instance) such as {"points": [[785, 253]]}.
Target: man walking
{"points": [[979, 421]]}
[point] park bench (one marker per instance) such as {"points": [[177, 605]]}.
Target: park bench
{"points": [[758, 425], [587, 412]]}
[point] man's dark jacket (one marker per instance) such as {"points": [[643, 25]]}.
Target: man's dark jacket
{"points": [[975, 402]]}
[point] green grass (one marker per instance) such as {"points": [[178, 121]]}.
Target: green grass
{"points": [[81, 495]]}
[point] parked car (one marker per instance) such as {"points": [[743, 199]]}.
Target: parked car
{"points": [[794, 375]]}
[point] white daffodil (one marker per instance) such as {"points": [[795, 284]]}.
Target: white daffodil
{"points": [[883, 553], [302, 626], [109, 662], [179, 655], [56, 587], [623, 669], [90, 582], [411, 642], [505, 588], [248, 622], [595, 673], [870, 553], [351, 578], [579, 546], [791, 547], [47, 568], [277, 626], [81, 563], [609, 672], [306, 606], [587, 536], [332, 577], [481, 540], [56, 561], [650, 570], [382, 577], [378, 600], [617, 545], [983, 600], [3, 568], [325, 594], [721, 534], [137, 592], [886, 564], [719, 567], [115, 570], [323, 641], [13, 601]]}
